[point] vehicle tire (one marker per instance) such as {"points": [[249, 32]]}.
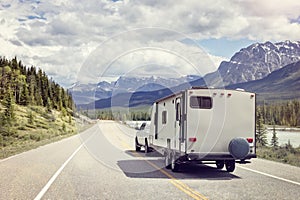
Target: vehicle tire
{"points": [[167, 161], [137, 146], [220, 164], [230, 165], [146, 146], [174, 164]]}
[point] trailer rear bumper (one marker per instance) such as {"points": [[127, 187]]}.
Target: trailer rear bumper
{"points": [[213, 157]]}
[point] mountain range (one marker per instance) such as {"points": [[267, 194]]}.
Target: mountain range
{"points": [[271, 70], [255, 62], [88, 93], [281, 84]]}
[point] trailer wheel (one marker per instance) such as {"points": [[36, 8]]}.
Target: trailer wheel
{"points": [[137, 146], [220, 164], [167, 161], [146, 146], [230, 165], [174, 164]]}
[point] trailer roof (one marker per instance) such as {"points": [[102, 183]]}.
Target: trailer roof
{"points": [[197, 88], [175, 94]]}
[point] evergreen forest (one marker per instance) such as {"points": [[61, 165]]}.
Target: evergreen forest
{"points": [[31, 86], [281, 113], [33, 108]]}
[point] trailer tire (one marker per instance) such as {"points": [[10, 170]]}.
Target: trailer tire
{"points": [[230, 165], [167, 161], [174, 164], [137, 146], [220, 164], [146, 146]]}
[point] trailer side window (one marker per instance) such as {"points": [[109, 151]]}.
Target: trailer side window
{"points": [[164, 117], [178, 112], [201, 102]]}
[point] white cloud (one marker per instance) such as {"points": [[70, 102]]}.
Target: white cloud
{"points": [[59, 35], [146, 52]]}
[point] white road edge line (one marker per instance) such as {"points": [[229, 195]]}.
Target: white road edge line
{"points": [[47, 186], [269, 175]]}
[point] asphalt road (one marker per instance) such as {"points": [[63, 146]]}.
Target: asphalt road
{"points": [[100, 163]]}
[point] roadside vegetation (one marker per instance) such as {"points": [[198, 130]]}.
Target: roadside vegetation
{"points": [[34, 126], [34, 110], [120, 114], [281, 113], [285, 153]]}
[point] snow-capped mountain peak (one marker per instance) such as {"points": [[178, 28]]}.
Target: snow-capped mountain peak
{"points": [[91, 92], [255, 62]]}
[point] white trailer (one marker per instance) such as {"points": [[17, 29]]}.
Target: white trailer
{"points": [[201, 124]]}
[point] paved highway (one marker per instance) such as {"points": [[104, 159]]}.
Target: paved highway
{"points": [[100, 163]]}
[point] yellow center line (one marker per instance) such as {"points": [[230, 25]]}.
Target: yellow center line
{"points": [[180, 185]]}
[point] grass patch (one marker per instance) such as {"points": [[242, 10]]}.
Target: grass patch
{"points": [[27, 145], [34, 126], [30, 126], [44, 126], [284, 154]]}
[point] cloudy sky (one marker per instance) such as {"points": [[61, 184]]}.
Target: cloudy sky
{"points": [[92, 40]]}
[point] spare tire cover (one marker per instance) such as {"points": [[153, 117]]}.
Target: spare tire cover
{"points": [[239, 148]]}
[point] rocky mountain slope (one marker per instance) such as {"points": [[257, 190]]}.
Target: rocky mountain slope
{"points": [[281, 84], [254, 62], [87, 93]]}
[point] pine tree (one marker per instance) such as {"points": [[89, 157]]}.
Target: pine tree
{"points": [[290, 147], [285, 113], [64, 127], [49, 105], [8, 115], [6, 80], [24, 98], [30, 117], [274, 140], [261, 130], [31, 90], [70, 119], [29, 86]]}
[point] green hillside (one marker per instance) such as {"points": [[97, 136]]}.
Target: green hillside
{"points": [[34, 110]]}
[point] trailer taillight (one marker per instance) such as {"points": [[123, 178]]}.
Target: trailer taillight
{"points": [[250, 140], [192, 139]]}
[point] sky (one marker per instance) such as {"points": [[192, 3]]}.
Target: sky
{"points": [[92, 40]]}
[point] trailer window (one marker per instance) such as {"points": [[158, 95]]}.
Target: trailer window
{"points": [[164, 117], [201, 102], [178, 111]]}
